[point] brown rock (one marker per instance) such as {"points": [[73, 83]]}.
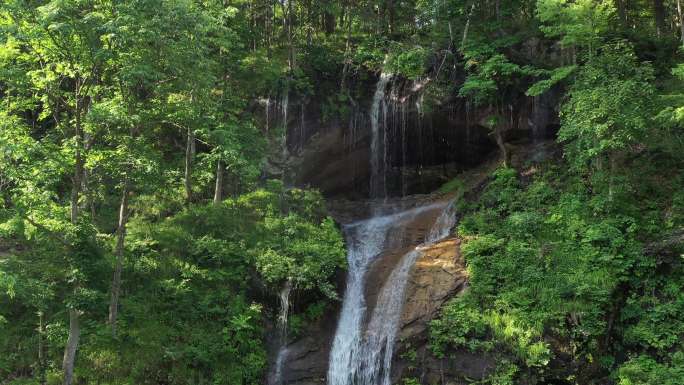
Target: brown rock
{"points": [[437, 275]]}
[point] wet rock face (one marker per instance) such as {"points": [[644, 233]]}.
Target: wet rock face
{"points": [[438, 275], [422, 146], [460, 368], [306, 362]]}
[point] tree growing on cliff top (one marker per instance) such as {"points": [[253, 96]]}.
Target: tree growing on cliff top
{"points": [[609, 110]]}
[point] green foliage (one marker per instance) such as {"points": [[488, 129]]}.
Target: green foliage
{"points": [[555, 76], [489, 76], [408, 62], [451, 186], [656, 320], [410, 381], [460, 325], [609, 106], [581, 23], [548, 259], [644, 370], [206, 260], [671, 115]]}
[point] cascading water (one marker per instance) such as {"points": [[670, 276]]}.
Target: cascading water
{"points": [[284, 105], [397, 133], [302, 127], [277, 377], [363, 356], [378, 182], [267, 106]]}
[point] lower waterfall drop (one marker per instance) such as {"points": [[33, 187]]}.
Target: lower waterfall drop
{"points": [[362, 355], [277, 377]]}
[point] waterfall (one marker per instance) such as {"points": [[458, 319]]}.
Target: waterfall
{"points": [[378, 188], [364, 357], [277, 378], [267, 104], [404, 147], [284, 308], [284, 295], [302, 128], [284, 105]]}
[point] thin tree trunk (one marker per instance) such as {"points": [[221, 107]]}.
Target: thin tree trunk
{"points": [[451, 35], [41, 349], [347, 50], [252, 24], [78, 166], [681, 20], [498, 133], [189, 155], [622, 12], [71, 347], [290, 44], [467, 26], [659, 14], [611, 178], [119, 252], [218, 190], [268, 20], [392, 16], [74, 330]]}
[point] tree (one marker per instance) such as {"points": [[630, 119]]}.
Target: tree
{"points": [[64, 63], [579, 24], [609, 110]]}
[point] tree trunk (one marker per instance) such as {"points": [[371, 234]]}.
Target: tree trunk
{"points": [[74, 330], [77, 179], [622, 12], [119, 252], [659, 14], [218, 190], [392, 15], [467, 26], [328, 19], [611, 177], [506, 154], [269, 22], [189, 155], [71, 347], [290, 43], [41, 349], [451, 36], [681, 20], [347, 50]]}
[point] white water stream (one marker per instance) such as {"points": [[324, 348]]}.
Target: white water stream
{"points": [[378, 182], [277, 377], [362, 355], [284, 105]]}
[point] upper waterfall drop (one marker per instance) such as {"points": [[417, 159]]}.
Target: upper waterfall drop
{"points": [[284, 105], [378, 150]]}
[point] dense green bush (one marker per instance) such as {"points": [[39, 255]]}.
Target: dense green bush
{"points": [[548, 259], [206, 274]]}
